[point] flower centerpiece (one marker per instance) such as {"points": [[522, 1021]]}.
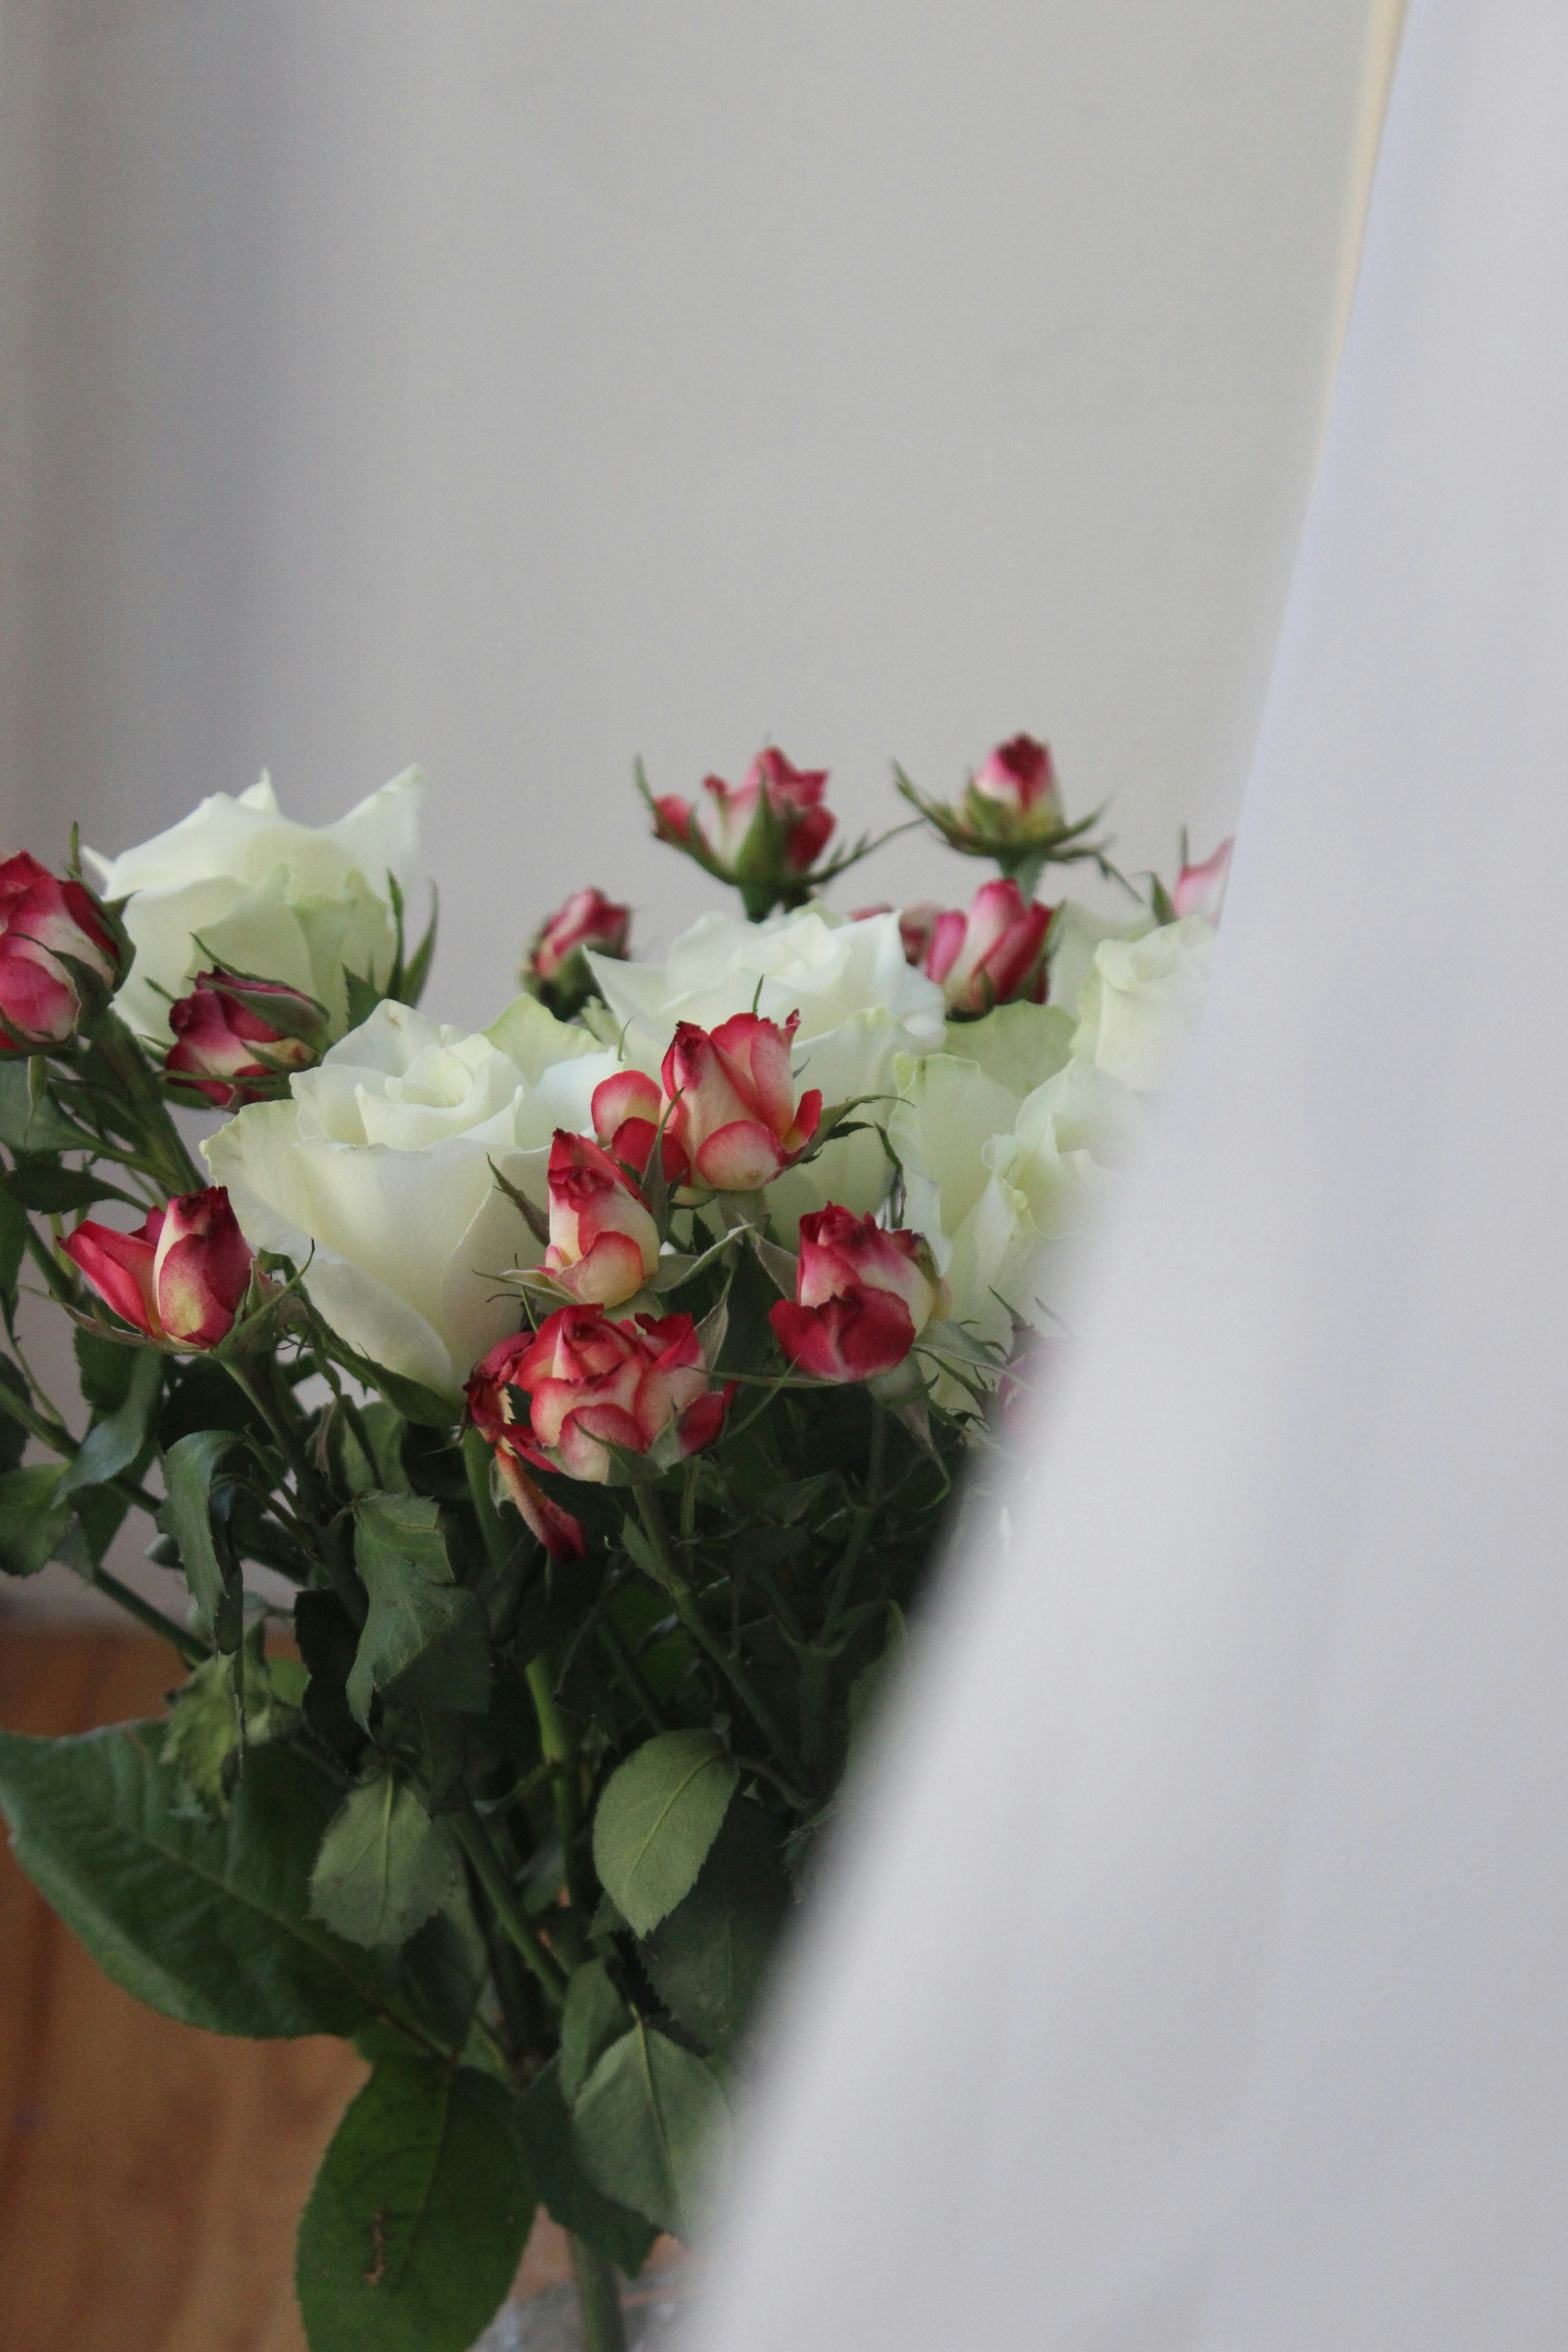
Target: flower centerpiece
{"points": [[553, 1429]]}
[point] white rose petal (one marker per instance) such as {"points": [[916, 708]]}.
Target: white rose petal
{"points": [[377, 1172], [288, 902], [1142, 999]]}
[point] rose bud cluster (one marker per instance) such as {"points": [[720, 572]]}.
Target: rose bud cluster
{"points": [[731, 1118], [863, 1298], [180, 1277], [1200, 889], [604, 1243], [59, 960], [556, 968], [994, 954], [764, 835], [561, 1397], [237, 1039]]}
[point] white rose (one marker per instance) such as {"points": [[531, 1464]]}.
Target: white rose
{"points": [[990, 1177], [1141, 999], [286, 901], [862, 1007], [380, 1164]]}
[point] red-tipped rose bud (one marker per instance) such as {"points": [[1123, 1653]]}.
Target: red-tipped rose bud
{"points": [[236, 1040], [994, 954], [627, 1110], [603, 1243], [556, 967], [863, 1298], [180, 1277], [560, 1398], [1200, 889], [1020, 776], [1011, 812], [764, 835], [59, 959], [734, 1113]]}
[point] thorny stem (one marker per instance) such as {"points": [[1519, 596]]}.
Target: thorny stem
{"points": [[517, 1927], [691, 1617]]}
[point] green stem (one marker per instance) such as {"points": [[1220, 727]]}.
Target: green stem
{"points": [[517, 1927], [685, 1606], [128, 1065], [191, 1648], [598, 2299], [631, 1674]]}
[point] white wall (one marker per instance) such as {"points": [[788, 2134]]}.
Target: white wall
{"points": [[514, 385]]}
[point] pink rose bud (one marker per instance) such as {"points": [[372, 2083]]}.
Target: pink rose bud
{"points": [[603, 1243], [1200, 889], [1019, 775], [627, 1110], [561, 1397], [993, 955], [499, 1411], [917, 928], [54, 944], [726, 836], [180, 1277], [863, 1298], [235, 1039], [734, 1114], [588, 919]]}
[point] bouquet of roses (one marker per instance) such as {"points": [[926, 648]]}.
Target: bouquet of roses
{"points": [[553, 1429]]}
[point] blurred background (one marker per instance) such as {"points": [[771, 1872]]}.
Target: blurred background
{"points": [[516, 385]]}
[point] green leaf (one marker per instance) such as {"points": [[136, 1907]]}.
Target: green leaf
{"points": [[594, 2016], [190, 1473], [114, 1444], [202, 1747], [29, 1124], [104, 1369], [657, 1817], [31, 1522], [652, 2129], [424, 1641], [361, 995], [204, 1921], [417, 2219], [563, 2189], [384, 1867], [45, 1185], [709, 1957]]}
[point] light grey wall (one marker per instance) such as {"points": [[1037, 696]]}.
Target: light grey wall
{"points": [[513, 385]]}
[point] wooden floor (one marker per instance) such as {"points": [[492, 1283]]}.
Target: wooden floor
{"points": [[149, 2176]]}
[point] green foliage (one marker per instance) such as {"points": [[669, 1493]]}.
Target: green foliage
{"points": [[565, 2189], [652, 2129], [226, 1706], [384, 1866], [424, 1641], [32, 1519], [204, 1921], [594, 2016], [416, 2222], [194, 1518], [118, 1440], [657, 1819], [708, 1959]]}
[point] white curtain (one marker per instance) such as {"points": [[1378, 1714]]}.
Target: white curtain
{"points": [[1197, 1974]]}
